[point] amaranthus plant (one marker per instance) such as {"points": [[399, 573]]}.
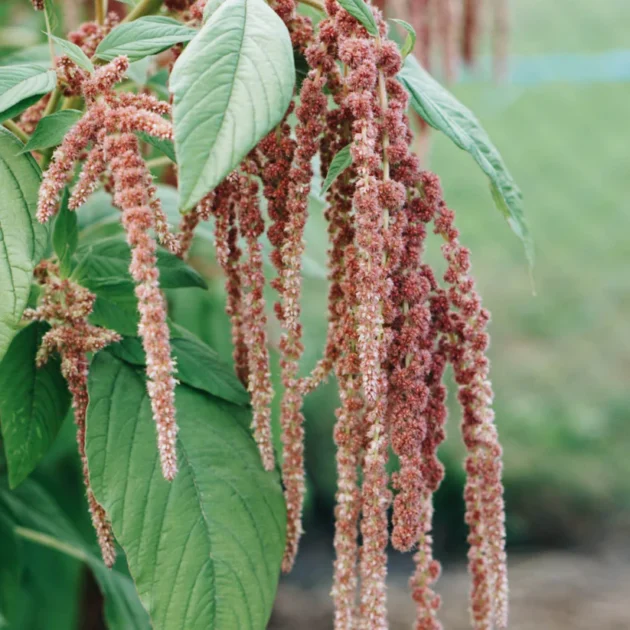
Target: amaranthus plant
{"points": [[244, 105]]}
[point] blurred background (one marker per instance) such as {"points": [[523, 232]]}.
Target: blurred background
{"points": [[560, 358]]}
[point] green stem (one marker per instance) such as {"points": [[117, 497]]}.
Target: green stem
{"points": [[52, 104], [51, 46], [72, 102], [314, 4], [145, 7], [52, 543], [159, 161], [15, 130], [51, 107], [100, 10]]}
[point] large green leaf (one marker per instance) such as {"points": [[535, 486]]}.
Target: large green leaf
{"points": [[116, 313], [231, 86], [51, 130], [39, 54], [143, 37], [22, 238], [33, 403], [75, 53], [105, 264], [198, 365], [210, 8], [33, 509], [99, 208], [23, 85], [165, 146], [204, 550], [103, 267], [65, 237], [440, 109], [138, 71]]}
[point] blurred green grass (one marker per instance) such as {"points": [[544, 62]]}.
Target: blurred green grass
{"points": [[560, 359]]}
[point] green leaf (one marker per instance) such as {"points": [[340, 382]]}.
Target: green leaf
{"points": [[116, 314], [410, 40], [51, 130], [363, 13], [143, 37], [97, 209], [210, 8], [205, 549], [33, 404], [104, 269], [106, 264], [23, 85], [138, 71], [165, 146], [31, 507], [440, 109], [341, 161], [22, 237], [198, 365], [39, 54], [75, 53], [65, 236], [10, 571], [159, 83], [231, 86]]}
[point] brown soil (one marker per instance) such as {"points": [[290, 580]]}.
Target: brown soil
{"points": [[548, 591]]}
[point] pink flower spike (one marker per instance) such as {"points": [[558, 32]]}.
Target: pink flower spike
{"points": [[131, 184]]}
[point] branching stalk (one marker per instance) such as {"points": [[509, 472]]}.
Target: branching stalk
{"points": [[15, 130], [146, 7], [100, 10], [53, 543]]}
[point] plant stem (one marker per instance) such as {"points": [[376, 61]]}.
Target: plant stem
{"points": [[314, 4], [145, 7], [15, 130], [51, 106], [100, 10], [159, 161], [52, 543], [51, 46], [72, 102]]}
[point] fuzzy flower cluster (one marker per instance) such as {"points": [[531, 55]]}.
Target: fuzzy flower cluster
{"points": [[66, 306], [393, 326], [104, 138]]}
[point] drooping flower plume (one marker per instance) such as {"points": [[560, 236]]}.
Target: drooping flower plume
{"points": [[66, 307], [106, 129], [394, 324]]}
